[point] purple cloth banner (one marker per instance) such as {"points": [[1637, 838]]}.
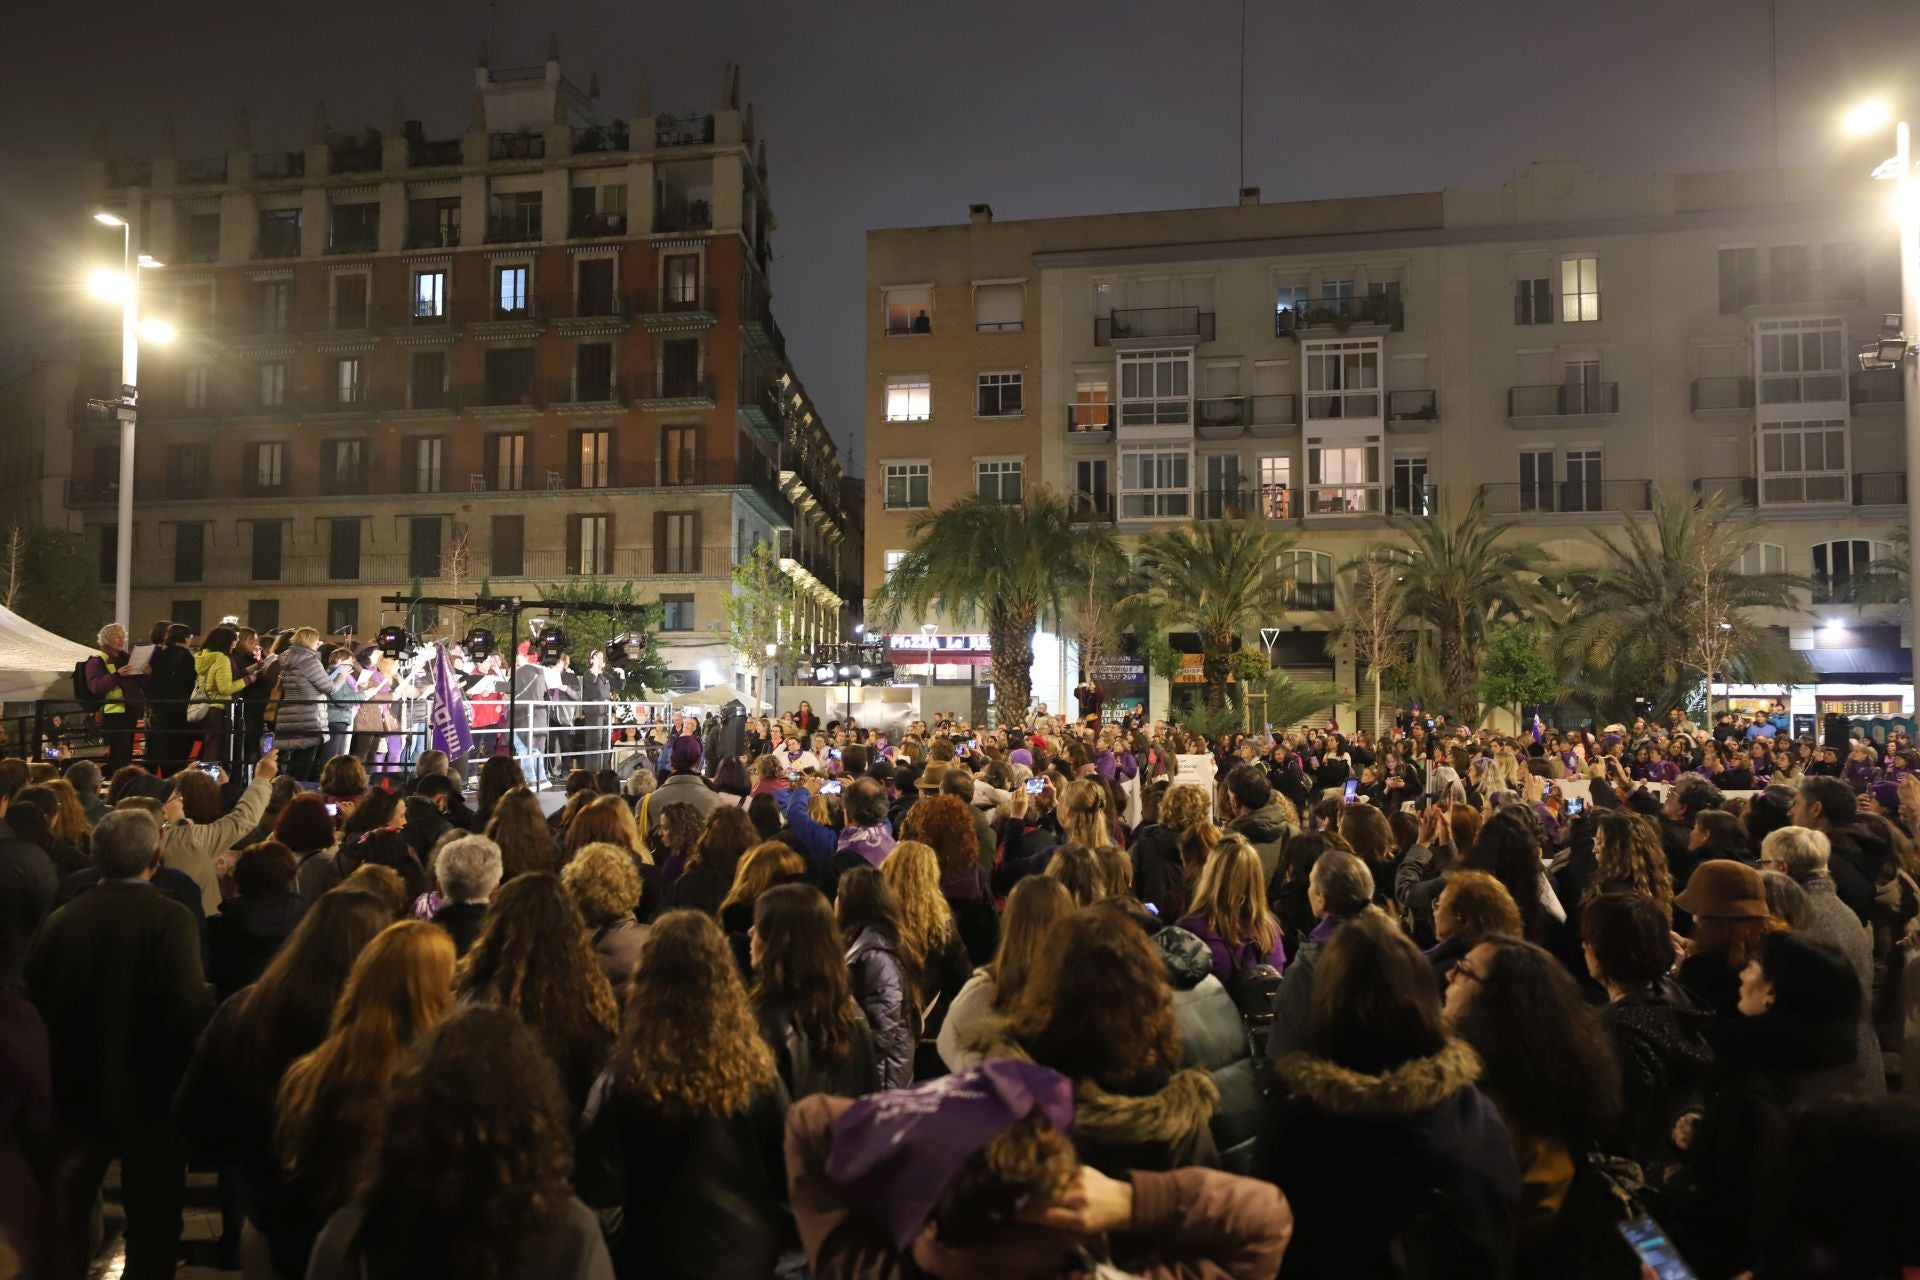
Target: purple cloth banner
{"points": [[451, 733]]}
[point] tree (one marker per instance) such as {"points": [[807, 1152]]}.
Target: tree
{"points": [[638, 621], [456, 563], [1518, 669], [1224, 578], [1889, 578], [1459, 580], [1290, 701], [759, 609], [1670, 602], [54, 583], [1374, 619], [1014, 565]]}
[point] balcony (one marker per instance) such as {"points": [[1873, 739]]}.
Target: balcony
{"points": [[432, 236], [279, 166], [343, 481], [1309, 597], [1880, 489], [1722, 397], [600, 137], [1543, 405], [1413, 499], [681, 310], [517, 146], [200, 171], [586, 226], [1272, 416], [1233, 503], [280, 242], [1366, 315], [1735, 491], [1221, 417], [674, 390], [1093, 508], [434, 153], [354, 240], [579, 393], [683, 131], [513, 228], [362, 155], [1877, 391], [490, 318], [1412, 408], [760, 412], [1572, 497], [130, 171], [682, 214], [1344, 500], [1337, 406], [1090, 423], [1822, 387], [1138, 326], [501, 395]]}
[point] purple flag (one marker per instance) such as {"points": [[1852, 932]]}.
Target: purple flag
{"points": [[450, 731]]}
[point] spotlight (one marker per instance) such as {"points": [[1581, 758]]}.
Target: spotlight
{"points": [[616, 650], [822, 674], [395, 641], [845, 672], [866, 673], [552, 644], [479, 643]]}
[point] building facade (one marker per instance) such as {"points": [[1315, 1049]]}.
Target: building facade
{"points": [[36, 446], [539, 349], [1563, 346]]}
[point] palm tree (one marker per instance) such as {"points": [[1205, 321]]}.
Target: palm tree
{"points": [[1222, 576], [1459, 580], [1889, 578], [1015, 565], [1670, 602]]}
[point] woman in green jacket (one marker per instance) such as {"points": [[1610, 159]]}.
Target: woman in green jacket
{"points": [[216, 680]]}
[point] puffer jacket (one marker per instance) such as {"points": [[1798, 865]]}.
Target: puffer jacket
{"points": [[1214, 1038], [880, 989], [213, 676], [1268, 831], [305, 693]]}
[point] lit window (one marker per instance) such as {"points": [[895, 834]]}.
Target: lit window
{"points": [[1579, 289], [512, 290], [909, 311], [429, 295], [908, 399]]}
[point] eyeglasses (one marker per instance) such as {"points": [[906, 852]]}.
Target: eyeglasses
{"points": [[1463, 973]]}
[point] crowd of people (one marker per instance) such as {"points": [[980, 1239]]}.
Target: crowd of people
{"points": [[1043, 999]]}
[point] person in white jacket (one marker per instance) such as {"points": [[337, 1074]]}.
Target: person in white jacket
{"points": [[196, 834]]}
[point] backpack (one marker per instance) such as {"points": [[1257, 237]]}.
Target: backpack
{"points": [[1253, 984], [89, 700]]}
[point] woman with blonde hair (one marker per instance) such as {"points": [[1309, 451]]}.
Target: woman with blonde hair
{"points": [[929, 939], [1229, 911], [606, 889], [519, 827], [1078, 872], [1629, 859], [685, 1130], [304, 699], [330, 1100], [1035, 908]]}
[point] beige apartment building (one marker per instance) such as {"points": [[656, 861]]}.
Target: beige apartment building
{"points": [[1563, 346], [538, 346]]}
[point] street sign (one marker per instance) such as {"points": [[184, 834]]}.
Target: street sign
{"points": [[1269, 636]]}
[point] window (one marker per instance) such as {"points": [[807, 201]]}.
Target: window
{"points": [[595, 280], [676, 542], [588, 552], [193, 306], [680, 368], [343, 466], [999, 395], [506, 548], [1533, 300], [203, 237], [891, 561], [1840, 270], [1579, 290], [1803, 461], [273, 306], [343, 549], [508, 460], [279, 233], [509, 375], [267, 466], [1788, 273], [1290, 301], [1739, 279], [1343, 380], [592, 459], [593, 372], [1093, 487], [1342, 478], [423, 547], [997, 307], [676, 613], [1763, 557], [1410, 495], [193, 387], [271, 379], [680, 272], [998, 479], [433, 223], [343, 617], [908, 310], [677, 455], [106, 468], [429, 454], [1583, 491], [909, 399], [429, 295], [349, 301], [510, 291], [1156, 388], [349, 380], [427, 380], [1091, 410], [1536, 480], [1839, 568], [266, 550], [1800, 361], [1335, 288], [906, 485], [1309, 579], [263, 615], [1580, 375], [1155, 483], [186, 613], [516, 216], [188, 466], [1276, 487], [189, 551], [355, 228]]}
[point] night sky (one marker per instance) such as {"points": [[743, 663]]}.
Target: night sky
{"points": [[899, 114]]}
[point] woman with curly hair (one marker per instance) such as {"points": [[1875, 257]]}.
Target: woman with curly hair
{"points": [[606, 889], [944, 824], [519, 827], [725, 839], [1230, 913], [1099, 1009], [803, 996], [685, 1130], [929, 938], [331, 1099], [1629, 859], [533, 958], [1159, 872], [1034, 909], [473, 1167]]}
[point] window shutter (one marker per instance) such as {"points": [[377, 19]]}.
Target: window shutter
{"points": [[997, 306], [606, 544], [573, 544], [659, 542], [694, 545]]}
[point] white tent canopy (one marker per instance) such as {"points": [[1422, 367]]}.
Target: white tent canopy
{"points": [[718, 695], [33, 660]]}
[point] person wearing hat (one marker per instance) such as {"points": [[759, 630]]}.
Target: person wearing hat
{"points": [[1731, 918], [683, 784], [973, 1175]]}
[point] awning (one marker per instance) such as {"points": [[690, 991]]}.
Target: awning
{"points": [[1879, 664]]}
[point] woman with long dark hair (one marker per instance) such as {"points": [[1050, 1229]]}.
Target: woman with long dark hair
{"points": [[869, 918], [499, 775], [703, 884], [517, 824], [376, 835], [803, 996], [1034, 909], [471, 1171], [170, 679], [684, 1132]]}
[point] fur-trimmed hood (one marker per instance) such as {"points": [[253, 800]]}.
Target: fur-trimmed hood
{"points": [[1410, 1088], [1181, 1107]]}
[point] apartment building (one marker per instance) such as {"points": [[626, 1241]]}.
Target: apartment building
{"points": [[36, 406], [537, 349], [1563, 346]]}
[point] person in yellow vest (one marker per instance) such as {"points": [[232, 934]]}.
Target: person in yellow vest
{"points": [[123, 696]]}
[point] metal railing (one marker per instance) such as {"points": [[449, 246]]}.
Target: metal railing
{"points": [[200, 170], [600, 137], [1277, 411], [1340, 313], [1739, 491], [1329, 405], [1344, 499], [1880, 489], [1722, 394], [1127, 323], [1878, 386], [683, 131], [358, 157], [1413, 406], [1568, 496], [277, 243], [1563, 399], [681, 386], [1089, 419], [1093, 508], [356, 240], [512, 228], [527, 145], [1222, 411], [432, 236], [597, 224], [1413, 499], [1231, 503], [1316, 597], [433, 153], [278, 166], [579, 390], [683, 215], [655, 302]]}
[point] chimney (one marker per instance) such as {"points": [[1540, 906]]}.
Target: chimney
{"points": [[979, 214], [1249, 195]]}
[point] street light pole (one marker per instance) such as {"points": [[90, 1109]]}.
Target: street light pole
{"points": [[128, 411], [1907, 202]]}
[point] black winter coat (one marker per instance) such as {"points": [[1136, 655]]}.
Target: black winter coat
{"points": [[881, 990], [1660, 1037], [805, 1072], [1158, 876], [243, 935], [1213, 1037]]}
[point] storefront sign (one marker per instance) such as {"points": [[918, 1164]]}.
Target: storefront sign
{"points": [[942, 644]]}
